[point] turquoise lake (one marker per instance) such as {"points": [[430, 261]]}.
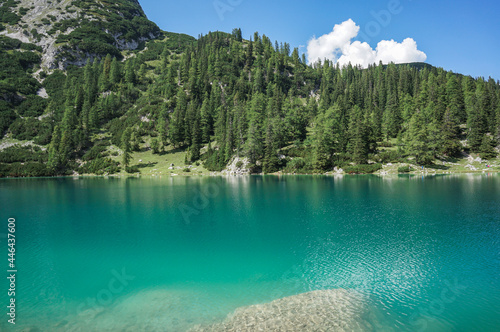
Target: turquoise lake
{"points": [[165, 254]]}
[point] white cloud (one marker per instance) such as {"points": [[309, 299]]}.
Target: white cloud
{"points": [[338, 46]]}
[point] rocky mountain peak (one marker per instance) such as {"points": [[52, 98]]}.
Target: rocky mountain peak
{"points": [[72, 31]]}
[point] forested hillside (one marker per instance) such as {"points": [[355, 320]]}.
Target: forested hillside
{"points": [[221, 96]]}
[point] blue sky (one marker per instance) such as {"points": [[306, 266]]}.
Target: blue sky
{"points": [[459, 35]]}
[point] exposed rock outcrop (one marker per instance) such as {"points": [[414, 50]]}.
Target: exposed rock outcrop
{"points": [[237, 166], [45, 20]]}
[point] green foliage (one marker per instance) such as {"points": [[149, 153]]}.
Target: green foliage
{"points": [[419, 139], [215, 160], [97, 151], [362, 169], [255, 99], [32, 106], [155, 146], [296, 165], [32, 169], [7, 116], [30, 128], [100, 166], [487, 149], [7, 14], [18, 153], [389, 157], [132, 169], [127, 21], [405, 169], [90, 39], [13, 72], [16, 80], [126, 147]]}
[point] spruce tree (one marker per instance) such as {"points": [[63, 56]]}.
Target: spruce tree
{"points": [[270, 163], [155, 145], [130, 76], [177, 124], [254, 143], [487, 150], [450, 130], [126, 146], [476, 127], [196, 145], [54, 161], [326, 138], [115, 72], [161, 128], [418, 139]]}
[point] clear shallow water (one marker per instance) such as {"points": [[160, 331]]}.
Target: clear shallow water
{"points": [[165, 254]]}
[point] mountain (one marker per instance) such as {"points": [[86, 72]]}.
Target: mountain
{"points": [[218, 102], [70, 32]]}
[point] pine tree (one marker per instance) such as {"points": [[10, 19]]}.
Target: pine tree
{"points": [[165, 58], [155, 145], [476, 125], [450, 132], [359, 137], [196, 145], [161, 127], [115, 72], [177, 124], [497, 131], [392, 117], [135, 141], [206, 121], [254, 143], [326, 138], [54, 162], [65, 147], [487, 150], [237, 34], [270, 163], [126, 146], [130, 76], [418, 139], [455, 99]]}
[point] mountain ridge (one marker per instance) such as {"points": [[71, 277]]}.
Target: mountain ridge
{"points": [[71, 32]]}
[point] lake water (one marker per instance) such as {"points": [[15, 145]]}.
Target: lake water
{"points": [[165, 254]]}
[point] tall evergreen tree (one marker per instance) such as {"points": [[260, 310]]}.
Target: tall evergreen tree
{"points": [[126, 146], [270, 163], [196, 145], [450, 144], [418, 139]]}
